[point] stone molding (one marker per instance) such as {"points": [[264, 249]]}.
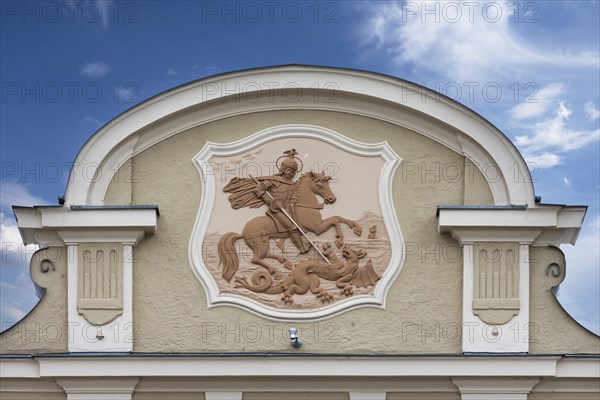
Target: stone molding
{"points": [[401, 102]]}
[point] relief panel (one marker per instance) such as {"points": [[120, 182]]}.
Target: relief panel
{"points": [[296, 222], [100, 282], [496, 282]]}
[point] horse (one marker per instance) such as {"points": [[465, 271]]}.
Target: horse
{"points": [[305, 208]]}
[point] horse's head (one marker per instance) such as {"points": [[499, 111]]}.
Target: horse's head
{"points": [[320, 186]]}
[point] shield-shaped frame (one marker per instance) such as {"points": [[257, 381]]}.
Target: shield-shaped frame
{"points": [[359, 174]]}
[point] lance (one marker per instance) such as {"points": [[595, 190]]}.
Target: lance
{"points": [[291, 219]]}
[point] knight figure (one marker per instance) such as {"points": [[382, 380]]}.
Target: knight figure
{"points": [[276, 191]]}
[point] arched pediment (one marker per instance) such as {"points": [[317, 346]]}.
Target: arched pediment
{"points": [[300, 87]]}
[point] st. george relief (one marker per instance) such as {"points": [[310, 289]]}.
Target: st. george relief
{"points": [[296, 224]]}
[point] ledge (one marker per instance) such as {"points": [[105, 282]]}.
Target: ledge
{"points": [[540, 225], [308, 366], [52, 225]]}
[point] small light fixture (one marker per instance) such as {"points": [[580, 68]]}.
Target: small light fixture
{"points": [[294, 338]]}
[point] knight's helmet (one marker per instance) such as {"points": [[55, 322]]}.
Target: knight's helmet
{"points": [[289, 161]]}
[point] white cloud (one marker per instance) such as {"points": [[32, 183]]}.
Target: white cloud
{"points": [[211, 69], [467, 43], [12, 249], [104, 8], [94, 70], [542, 161], [17, 295], [539, 103], [592, 112], [14, 194], [10, 314], [92, 12], [93, 121], [9, 230], [552, 136], [16, 299], [172, 72]]}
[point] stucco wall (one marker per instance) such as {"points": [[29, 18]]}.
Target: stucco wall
{"points": [[423, 312], [32, 396], [424, 306], [44, 329]]}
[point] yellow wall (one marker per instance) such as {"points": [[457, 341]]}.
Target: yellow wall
{"points": [[424, 306], [423, 310]]}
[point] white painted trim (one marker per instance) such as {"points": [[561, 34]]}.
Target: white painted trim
{"points": [[467, 301], [104, 236], [98, 388], [207, 177], [513, 336], [367, 395], [494, 388], [19, 368], [402, 95], [335, 366], [522, 319], [58, 225], [118, 334], [223, 395], [579, 368], [543, 225], [353, 374]]}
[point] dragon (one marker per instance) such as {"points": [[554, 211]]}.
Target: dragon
{"points": [[307, 275]]}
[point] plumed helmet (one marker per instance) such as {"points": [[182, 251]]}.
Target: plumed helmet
{"points": [[289, 163], [289, 160]]}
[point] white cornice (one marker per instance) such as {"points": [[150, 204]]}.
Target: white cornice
{"points": [[280, 366], [542, 225], [47, 225], [414, 106], [495, 385], [98, 387]]}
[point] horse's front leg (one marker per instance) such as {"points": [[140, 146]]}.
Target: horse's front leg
{"points": [[335, 221], [356, 228], [324, 225]]}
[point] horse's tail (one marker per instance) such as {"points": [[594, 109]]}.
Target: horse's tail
{"points": [[227, 254]]}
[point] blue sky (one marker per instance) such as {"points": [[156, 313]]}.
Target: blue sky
{"points": [[529, 67]]}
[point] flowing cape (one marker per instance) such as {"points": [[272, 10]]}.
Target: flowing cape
{"points": [[242, 193]]}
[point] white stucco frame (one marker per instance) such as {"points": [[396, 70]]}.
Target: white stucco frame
{"points": [[202, 164], [398, 102]]}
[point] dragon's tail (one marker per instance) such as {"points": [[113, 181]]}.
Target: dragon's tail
{"points": [[261, 282]]}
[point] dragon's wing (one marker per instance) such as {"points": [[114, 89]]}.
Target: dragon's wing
{"points": [[365, 276]]}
